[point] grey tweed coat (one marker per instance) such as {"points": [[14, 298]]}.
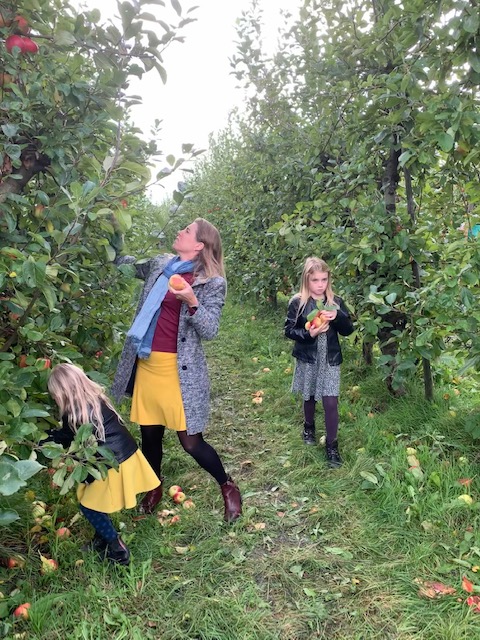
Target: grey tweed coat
{"points": [[192, 329]]}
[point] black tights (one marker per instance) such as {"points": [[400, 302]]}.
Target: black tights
{"points": [[202, 452], [330, 407]]}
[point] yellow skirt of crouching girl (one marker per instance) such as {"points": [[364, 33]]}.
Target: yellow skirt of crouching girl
{"points": [[157, 398], [119, 489]]}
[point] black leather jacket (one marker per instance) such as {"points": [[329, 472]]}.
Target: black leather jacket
{"points": [[117, 437], [305, 347]]}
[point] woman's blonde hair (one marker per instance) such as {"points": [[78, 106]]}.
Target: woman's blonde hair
{"points": [[211, 256], [78, 398], [314, 265]]}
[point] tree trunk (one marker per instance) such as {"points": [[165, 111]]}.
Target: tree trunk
{"points": [[427, 369], [396, 320], [33, 162]]}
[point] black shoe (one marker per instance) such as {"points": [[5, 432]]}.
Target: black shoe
{"points": [[97, 543], [117, 551], [309, 433], [333, 456]]}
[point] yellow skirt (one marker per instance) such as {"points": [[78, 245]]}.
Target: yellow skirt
{"points": [[157, 398], [119, 489]]}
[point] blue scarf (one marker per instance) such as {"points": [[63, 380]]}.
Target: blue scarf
{"points": [[143, 328]]}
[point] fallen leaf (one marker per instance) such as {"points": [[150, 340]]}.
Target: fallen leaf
{"points": [[257, 400], [467, 585], [433, 589], [181, 550], [466, 482], [246, 463], [259, 526], [259, 393], [474, 602], [281, 514]]}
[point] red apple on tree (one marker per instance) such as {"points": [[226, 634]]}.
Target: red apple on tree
{"points": [[21, 24]]}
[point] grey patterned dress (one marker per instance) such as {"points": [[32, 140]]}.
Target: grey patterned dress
{"points": [[317, 379]]}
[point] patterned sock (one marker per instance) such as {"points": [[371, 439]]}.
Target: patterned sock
{"points": [[101, 523]]}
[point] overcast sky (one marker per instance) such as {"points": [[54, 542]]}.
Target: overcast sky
{"points": [[200, 92]]}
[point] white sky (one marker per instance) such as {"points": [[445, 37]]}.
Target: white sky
{"points": [[199, 92]]}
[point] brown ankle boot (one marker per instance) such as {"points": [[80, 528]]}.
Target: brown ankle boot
{"points": [[150, 500], [232, 499]]}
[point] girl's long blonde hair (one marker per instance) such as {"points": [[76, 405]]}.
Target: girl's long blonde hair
{"points": [[78, 398], [210, 258], [312, 265]]}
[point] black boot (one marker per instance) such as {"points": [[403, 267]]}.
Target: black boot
{"points": [[309, 433], [117, 551], [333, 456], [97, 543]]}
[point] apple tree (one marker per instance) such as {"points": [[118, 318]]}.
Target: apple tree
{"points": [[72, 169]]}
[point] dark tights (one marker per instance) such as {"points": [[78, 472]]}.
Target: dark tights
{"points": [[202, 452], [330, 407]]}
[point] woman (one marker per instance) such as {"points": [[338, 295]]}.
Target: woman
{"points": [[163, 365]]}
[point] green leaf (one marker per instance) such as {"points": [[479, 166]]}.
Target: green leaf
{"points": [[445, 142], [370, 477], [64, 38], [177, 7], [7, 516], [471, 23], [27, 468]]}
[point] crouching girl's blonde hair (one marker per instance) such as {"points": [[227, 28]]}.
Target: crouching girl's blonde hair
{"points": [[78, 398]]}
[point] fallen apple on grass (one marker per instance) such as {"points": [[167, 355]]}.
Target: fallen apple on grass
{"points": [[188, 504], [49, 565], [63, 532], [179, 497], [22, 610], [175, 488]]}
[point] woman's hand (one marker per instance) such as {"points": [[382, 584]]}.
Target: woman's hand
{"points": [[186, 295]]}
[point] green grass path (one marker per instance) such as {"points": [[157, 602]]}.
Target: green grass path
{"points": [[318, 553]]}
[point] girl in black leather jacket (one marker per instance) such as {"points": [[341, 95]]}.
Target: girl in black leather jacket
{"points": [[317, 350], [83, 401]]}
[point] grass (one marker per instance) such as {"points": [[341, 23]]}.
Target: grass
{"points": [[317, 554]]}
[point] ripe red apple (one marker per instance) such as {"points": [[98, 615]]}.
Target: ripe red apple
{"points": [[175, 488], [14, 563], [22, 610], [179, 497], [29, 46], [21, 24], [177, 282], [64, 532], [14, 41]]}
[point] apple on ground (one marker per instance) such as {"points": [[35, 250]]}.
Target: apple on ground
{"points": [[179, 497], [48, 565], [175, 488], [14, 563], [38, 511], [188, 504], [64, 532], [22, 610]]}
